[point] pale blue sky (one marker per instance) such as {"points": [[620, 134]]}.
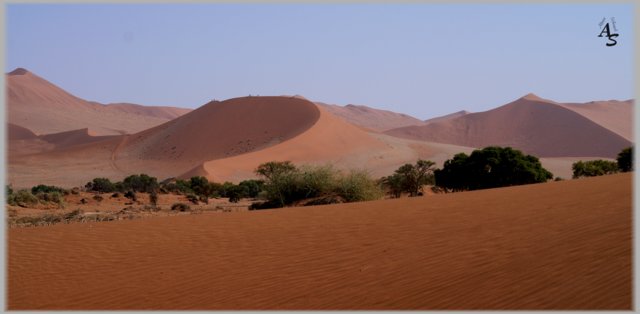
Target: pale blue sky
{"points": [[425, 60]]}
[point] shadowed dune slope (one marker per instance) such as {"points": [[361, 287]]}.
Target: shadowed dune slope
{"points": [[73, 138], [223, 129], [560, 245], [44, 108], [370, 118], [536, 126], [16, 132]]}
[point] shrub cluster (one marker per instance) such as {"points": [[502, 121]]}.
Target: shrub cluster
{"points": [[599, 167], [593, 168], [286, 184], [40, 194]]}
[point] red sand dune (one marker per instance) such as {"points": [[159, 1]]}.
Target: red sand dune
{"points": [[370, 118], [559, 245], [44, 108], [333, 140], [222, 129], [227, 141], [532, 124]]}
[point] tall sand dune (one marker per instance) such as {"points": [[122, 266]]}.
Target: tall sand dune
{"points": [[532, 124], [553, 246], [44, 108], [333, 140], [222, 129]]}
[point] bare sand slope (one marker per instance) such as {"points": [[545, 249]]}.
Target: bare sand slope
{"points": [[371, 118], [614, 115], [560, 245], [532, 124], [333, 140], [44, 108]]}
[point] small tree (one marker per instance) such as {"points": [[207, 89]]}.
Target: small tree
{"points": [[625, 159], [410, 178]]}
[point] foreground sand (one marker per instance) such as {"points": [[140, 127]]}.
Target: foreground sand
{"points": [[559, 245]]}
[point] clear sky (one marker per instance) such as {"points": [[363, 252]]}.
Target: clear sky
{"points": [[424, 60]]}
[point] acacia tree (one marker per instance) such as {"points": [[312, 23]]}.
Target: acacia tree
{"points": [[280, 181], [410, 178], [625, 159], [490, 167]]}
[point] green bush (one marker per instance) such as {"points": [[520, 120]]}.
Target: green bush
{"points": [[140, 183], [46, 189], [102, 185], [285, 184], [625, 159], [593, 168], [357, 186], [22, 198], [251, 188], [490, 167]]}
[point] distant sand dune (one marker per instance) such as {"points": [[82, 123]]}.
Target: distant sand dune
{"points": [[44, 108], [537, 126], [558, 245]]}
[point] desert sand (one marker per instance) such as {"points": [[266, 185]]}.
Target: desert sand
{"points": [[42, 107], [559, 245], [534, 125]]}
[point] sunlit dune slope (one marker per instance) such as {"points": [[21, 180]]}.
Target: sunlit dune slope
{"points": [[560, 245]]}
